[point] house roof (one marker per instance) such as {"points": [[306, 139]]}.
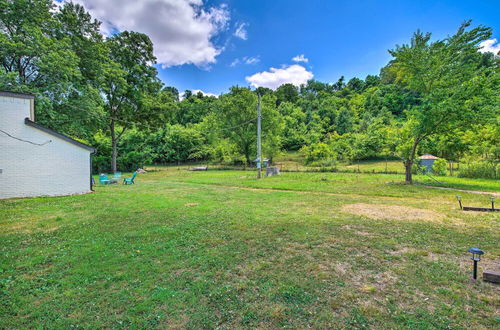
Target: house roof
{"points": [[428, 156], [18, 95], [31, 123]]}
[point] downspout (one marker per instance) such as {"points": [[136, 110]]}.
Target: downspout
{"points": [[91, 186]]}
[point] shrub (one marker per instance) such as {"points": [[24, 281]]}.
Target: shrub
{"points": [[418, 169], [224, 152], [101, 164], [317, 152], [439, 166], [182, 144], [330, 162], [484, 170], [133, 160]]}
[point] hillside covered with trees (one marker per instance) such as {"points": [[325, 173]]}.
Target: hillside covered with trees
{"points": [[434, 96]]}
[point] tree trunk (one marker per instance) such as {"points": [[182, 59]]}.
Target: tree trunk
{"points": [[408, 175], [246, 151], [409, 162], [114, 146]]}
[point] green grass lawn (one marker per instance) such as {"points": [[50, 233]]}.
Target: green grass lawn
{"points": [[221, 249]]}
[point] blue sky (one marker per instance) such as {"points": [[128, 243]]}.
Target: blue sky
{"points": [[212, 45]]}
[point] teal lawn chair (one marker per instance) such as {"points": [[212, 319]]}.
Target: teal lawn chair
{"points": [[130, 180], [103, 179]]}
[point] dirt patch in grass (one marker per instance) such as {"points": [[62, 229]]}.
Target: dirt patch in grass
{"points": [[190, 204], [402, 251], [489, 263], [394, 212]]}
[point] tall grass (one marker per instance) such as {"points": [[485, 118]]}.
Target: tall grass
{"points": [[484, 170]]}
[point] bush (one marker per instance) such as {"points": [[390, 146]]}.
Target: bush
{"points": [[330, 162], [317, 152], [182, 144], [417, 168], [439, 166], [224, 152], [483, 170], [101, 164], [133, 160]]}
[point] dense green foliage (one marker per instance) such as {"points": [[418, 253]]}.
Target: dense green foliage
{"points": [[434, 96], [439, 167], [487, 170]]}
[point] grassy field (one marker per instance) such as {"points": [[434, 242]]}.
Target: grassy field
{"points": [[294, 161], [220, 249]]}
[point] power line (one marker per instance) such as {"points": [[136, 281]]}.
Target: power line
{"points": [[22, 140], [90, 117], [244, 123], [133, 123]]}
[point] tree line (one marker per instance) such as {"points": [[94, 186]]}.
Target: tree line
{"points": [[434, 96]]}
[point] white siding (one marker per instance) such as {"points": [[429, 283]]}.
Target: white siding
{"points": [[56, 168]]}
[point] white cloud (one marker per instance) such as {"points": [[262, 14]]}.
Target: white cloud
{"points": [[196, 91], [490, 45], [295, 74], [181, 30], [245, 60], [300, 58], [251, 60], [241, 31], [235, 62]]}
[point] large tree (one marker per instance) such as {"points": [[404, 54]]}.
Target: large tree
{"points": [[33, 56], [129, 85], [286, 93], [55, 55], [455, 84], [31, 53], [238, 119], [82, 109]]}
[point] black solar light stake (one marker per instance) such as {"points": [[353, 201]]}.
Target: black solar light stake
{"points": [[492, 202], [459, 199], [476, 256]]}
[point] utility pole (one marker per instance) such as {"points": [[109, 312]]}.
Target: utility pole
{"points": [[259, 151]]}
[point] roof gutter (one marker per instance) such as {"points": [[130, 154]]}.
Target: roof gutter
{"points": [[31, 123]]}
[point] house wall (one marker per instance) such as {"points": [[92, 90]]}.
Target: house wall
{"points": [[56, 168]]}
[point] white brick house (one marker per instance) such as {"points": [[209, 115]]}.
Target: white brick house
{"points": [[34, 160]]}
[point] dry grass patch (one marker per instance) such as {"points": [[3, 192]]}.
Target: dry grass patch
{"points": [[486, 263], [393, 212], [403, 251], [32, 226]]}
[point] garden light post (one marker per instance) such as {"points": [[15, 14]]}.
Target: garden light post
{"points": [[492, 198], [459, 199], [476, 256]]}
